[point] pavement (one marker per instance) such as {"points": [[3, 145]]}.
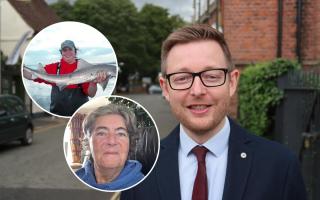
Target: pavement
{"points": [[43, 122]]}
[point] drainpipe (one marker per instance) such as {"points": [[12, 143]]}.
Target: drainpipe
{"points": [[279, 38], [199, 11], [299, 29], [194, 17], [217, 14]]}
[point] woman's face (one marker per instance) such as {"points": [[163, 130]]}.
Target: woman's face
{"points": [[109, 142]]}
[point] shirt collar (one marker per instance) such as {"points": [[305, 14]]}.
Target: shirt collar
{"points": [[216, 144]]}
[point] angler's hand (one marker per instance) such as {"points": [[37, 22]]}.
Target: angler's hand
{"points": [[101, 76]]}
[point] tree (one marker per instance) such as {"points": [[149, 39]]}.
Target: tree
{"points": [[135, 36], [157, 24], [63, 10]]}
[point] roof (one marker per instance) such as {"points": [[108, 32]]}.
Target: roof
{"points": [[36, 13]]}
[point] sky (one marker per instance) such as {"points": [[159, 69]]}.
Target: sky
{"points": [[175, 7]]}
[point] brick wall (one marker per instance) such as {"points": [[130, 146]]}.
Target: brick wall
{"points": [[311, 32], [251, 31], [250, 28], [289, 29]]}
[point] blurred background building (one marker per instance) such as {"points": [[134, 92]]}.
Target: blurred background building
{"points": [[264, 30], [20, 22], [258, 31]]}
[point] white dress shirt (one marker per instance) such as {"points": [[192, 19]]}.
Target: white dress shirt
{"points": [[216, 163]]}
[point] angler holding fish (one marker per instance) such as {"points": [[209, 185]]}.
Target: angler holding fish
{"points": [[73, 80]]}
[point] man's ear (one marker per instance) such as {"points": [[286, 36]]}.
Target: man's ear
{"points": [[234, 78], [164, 87]]}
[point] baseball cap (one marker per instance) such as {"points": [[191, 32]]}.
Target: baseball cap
{"points": [[68, 43]]}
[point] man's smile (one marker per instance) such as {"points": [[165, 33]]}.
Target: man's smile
{"points": [[199, 108]]}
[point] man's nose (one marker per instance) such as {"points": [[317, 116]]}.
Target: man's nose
{"points": [[197, 88]]}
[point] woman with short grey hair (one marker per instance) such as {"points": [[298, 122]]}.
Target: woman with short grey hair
{"points": [[108, 130]]}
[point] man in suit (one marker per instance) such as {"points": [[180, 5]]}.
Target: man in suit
{"points": [[209, 156]]}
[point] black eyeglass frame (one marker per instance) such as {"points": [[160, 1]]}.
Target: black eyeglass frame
{"points": [[225, 70]]}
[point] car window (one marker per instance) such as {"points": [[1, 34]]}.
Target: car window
{"points": [[11, 105], [3, 108], [15, 105]]}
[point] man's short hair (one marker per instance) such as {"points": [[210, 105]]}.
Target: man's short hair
{"points": [[193, 33]]}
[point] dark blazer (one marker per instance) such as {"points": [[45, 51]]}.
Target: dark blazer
{"points": [[269, 171]]}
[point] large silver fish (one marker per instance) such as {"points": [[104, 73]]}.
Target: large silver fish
{"points": [[85, 72]]}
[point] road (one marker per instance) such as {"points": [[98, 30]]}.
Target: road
{"points": [[40, 171]]}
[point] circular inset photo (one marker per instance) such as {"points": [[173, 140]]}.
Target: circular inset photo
{"points": [[67, 64], [111, 143]]}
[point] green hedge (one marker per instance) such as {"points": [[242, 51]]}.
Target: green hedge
{"points": [[259, 95]]}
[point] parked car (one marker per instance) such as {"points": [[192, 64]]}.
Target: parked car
{"points": [[155, 89], [15, 120]]}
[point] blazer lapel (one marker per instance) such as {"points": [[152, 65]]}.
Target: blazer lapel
{"points": [[239, 163], [167, 167]]}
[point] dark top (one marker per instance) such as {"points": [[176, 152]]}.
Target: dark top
{"points": [[66, 101], [269, 171]]}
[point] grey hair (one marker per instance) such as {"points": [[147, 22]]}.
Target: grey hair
{"points": [[128, 116]]}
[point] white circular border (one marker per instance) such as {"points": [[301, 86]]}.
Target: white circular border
{"points": [[154, 164], [28, 46]]}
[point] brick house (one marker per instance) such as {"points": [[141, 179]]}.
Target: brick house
{"points": [[259, 31]]}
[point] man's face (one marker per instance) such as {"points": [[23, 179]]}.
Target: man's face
{"points": [[109, 142], [200, 109], [68, 54]]}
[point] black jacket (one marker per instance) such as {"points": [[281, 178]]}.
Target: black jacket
{"points": [[269, 172]]}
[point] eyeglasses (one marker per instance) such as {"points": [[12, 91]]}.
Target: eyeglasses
{"points": [[209, 78]]}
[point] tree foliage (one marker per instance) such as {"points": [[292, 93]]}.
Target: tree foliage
{"points": [[135, 36], [259, 94], [63, 9], [156, 24], [143, 119]]}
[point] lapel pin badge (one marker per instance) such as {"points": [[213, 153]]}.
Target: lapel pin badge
{"points": [[243, 155]]}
